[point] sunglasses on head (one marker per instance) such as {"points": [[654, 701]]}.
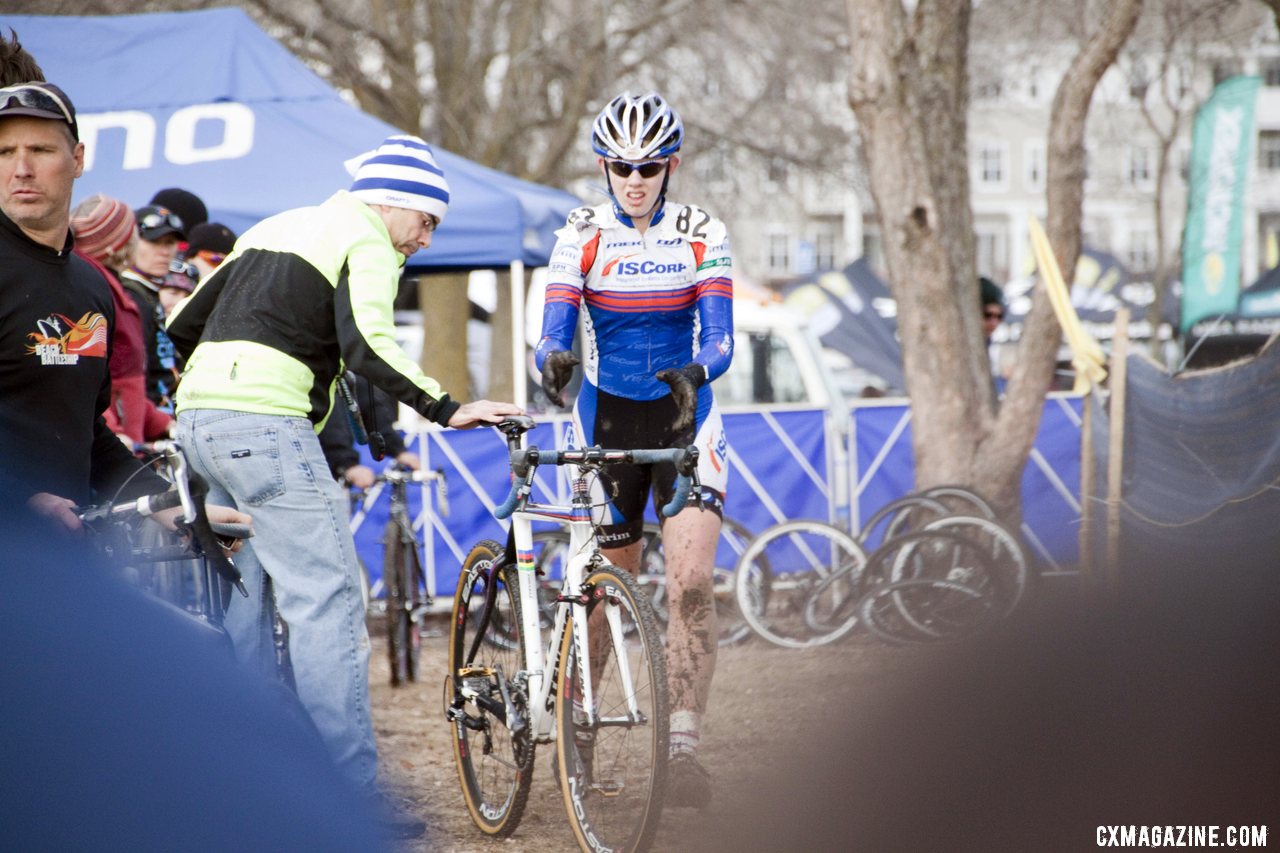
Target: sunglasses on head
{"points": [[647, 169], [34, 97], [155, 220], [211, 257]]}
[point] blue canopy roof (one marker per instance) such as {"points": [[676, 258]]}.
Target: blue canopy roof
{"points": [[209, 102]]}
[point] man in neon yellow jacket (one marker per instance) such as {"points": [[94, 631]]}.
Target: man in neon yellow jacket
{"points": [[305, 295]]}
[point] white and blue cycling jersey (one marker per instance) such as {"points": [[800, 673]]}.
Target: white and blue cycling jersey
{"points": [[655, 300]]}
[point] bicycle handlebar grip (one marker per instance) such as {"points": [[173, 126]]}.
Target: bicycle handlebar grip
{"points": [[513, 497], [684, 485], [231, 529], [151, 504]]}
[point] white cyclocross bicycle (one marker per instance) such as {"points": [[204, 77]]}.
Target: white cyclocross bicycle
{"points": [[598, 691]]}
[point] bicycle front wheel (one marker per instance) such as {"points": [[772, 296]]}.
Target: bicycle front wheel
{"points": [[612, 749], [487, 704]]}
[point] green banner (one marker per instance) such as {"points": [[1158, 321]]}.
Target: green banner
{"points": [[1220, 144]]}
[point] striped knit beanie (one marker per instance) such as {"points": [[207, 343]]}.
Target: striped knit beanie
{"points": [[102, 225], [401, 172]]}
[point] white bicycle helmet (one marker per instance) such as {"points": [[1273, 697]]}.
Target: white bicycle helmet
{"points": [[637, 127]]}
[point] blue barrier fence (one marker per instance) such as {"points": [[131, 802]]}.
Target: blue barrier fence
{"points": [[784, 463]]}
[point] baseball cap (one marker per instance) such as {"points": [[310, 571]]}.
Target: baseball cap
{"points": [[189, 206], [42, 100], [154, 222], [210, 237]]}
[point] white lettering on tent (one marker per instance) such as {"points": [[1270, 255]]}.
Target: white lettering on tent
{"points": [[139, 136], [180, 145], [237, 133]]}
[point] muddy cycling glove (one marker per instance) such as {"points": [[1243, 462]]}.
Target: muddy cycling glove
{"points": [[557, 370], [685, 382]]}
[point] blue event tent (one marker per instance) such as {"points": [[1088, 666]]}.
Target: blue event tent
{"points": [[209, 102]]}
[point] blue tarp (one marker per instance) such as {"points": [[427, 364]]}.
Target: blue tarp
{"points": [[781, 466], [209, 102]]}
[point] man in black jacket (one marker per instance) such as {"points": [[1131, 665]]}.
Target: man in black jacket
{"points": [[56, 315]]}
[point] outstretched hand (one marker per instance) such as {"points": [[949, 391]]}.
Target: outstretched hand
{"points": [[557, 370], [482, 412], [684, 382]]}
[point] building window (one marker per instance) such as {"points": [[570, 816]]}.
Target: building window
{"points": [[992, 245], [1268, 242], [1035, 165], [872, 245], [779, 253], [777, 170], [1269, 150], [1271, 72], [990, 90], [1140, 166], [824, 250], [713, 168], [991, 164], [1141, 255]]}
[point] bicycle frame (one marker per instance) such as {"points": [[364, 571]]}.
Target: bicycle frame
{"points": [[584, 552]]}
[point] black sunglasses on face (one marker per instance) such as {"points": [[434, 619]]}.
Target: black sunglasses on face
{"points": [[993, 315], [647, 169]]}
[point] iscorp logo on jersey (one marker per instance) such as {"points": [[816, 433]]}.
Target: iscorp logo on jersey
{"points": [[650, 268], [718, 449]]}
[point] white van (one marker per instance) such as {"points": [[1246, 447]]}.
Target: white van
{"points": [[775, 359]]}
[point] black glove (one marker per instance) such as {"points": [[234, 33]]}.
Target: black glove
{"points": [[685, 382], [557, 370]]}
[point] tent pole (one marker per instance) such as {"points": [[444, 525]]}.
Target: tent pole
{"points": [[519, 376], [1115, 447]]}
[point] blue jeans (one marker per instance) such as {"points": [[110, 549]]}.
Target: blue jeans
{"points": [[272, 467]]}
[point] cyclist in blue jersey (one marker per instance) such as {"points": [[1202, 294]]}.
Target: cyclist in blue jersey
{"points": [[654, 277]]}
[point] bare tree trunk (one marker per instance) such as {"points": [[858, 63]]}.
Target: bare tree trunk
{"points": [[1065, 173], [909, 90], [442, 298]]}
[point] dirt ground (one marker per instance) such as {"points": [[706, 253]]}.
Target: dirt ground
{"points": [[762, 708]]}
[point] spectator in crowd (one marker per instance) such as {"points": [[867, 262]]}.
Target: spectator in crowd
{"points": [[159, 230], [56, 317], [208, 245], [265, 337], [992, 306], [179, 282], [992, 298], [189, 207], [106, 233]]}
